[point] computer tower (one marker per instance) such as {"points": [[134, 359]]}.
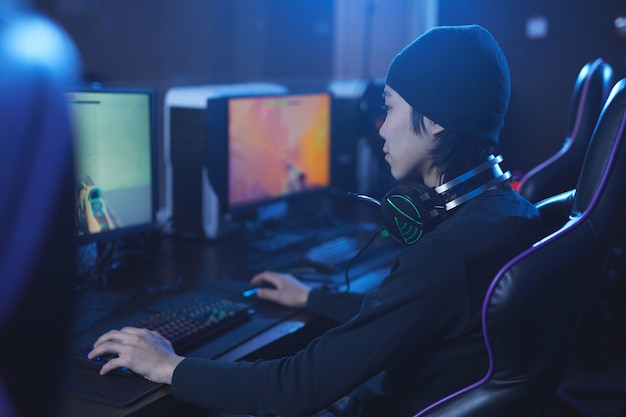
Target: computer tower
{"points": [[191, 203], [358, 163]]}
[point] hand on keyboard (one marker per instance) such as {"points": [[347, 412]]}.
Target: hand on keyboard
{"points": [[163, 333]]}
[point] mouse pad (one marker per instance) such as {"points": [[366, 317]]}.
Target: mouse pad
{"points": [[107, 389], [119, 390]]}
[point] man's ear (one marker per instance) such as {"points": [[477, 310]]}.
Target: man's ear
{"points": [[433, 127]]}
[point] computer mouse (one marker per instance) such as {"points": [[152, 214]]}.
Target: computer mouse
{"points": [[251, 291], [98, 362]]}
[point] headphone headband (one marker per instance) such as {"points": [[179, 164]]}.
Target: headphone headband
{"points": [[454, 198], [491, 161]]}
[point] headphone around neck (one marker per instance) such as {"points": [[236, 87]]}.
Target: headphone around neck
{"points": [[412, 209]]}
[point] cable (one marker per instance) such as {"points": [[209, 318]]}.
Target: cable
{"points": [[374, 201], [369, 242]]}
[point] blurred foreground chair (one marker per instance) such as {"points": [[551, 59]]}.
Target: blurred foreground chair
{"points": [[36, 212], [559, 173], [539, 303]]}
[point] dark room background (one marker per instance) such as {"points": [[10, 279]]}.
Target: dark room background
{"points": [[309, 43]]}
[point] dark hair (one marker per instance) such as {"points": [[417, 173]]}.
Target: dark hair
{"points": [[454, 153]]}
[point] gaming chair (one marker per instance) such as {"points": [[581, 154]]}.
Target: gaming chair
{"points": [[539, 302], [36, 213], [559, 173]]}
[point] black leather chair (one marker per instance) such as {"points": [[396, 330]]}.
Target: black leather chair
{"points": [[540, 302], [559, 173], [36, 212]]}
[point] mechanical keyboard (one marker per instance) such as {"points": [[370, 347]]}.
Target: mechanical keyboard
{"points": [[203, 319], [281, 240], [333, 253]]}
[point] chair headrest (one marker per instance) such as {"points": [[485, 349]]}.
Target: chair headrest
{"points": [[559, 172], [591, 89], [604, 166]]}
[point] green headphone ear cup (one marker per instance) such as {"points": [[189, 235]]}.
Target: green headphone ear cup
{"points": [[407, 212]]}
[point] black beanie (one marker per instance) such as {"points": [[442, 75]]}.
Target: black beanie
{"points": [[456, 76]]}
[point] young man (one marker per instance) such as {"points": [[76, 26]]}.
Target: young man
{"points": [[416, 337]]}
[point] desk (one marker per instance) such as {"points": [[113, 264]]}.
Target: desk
{"points": [[206, 264], [161, 402]]}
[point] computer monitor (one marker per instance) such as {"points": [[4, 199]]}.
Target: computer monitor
{"points": [[269, 148], [116, 147]]}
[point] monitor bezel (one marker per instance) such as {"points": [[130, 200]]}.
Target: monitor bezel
{"points": [[152, 224]]}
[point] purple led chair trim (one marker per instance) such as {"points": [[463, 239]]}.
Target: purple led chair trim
{"points": [[577, 122]]}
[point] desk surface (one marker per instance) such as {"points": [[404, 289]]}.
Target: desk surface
{"points": [[160, 401], [218, 266]]}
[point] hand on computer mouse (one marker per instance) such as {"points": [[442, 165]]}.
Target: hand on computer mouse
{"points": [[287, 291], [143, 351]]}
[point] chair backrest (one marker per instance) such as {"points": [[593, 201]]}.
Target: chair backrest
{"points": [[559, 172], [538, 303]]}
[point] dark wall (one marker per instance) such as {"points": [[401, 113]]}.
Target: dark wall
{"points": [[543, 71], [161, 43], [199, 41]]}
